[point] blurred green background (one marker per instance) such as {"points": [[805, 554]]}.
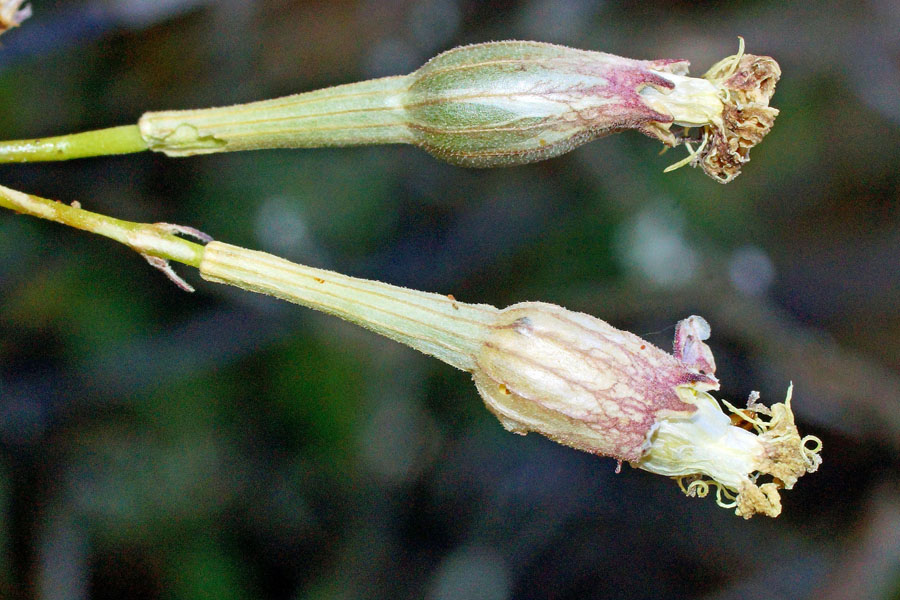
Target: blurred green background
{"points": [[155, 444]]}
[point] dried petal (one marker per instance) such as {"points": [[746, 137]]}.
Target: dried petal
{"points": [[746, 119]]}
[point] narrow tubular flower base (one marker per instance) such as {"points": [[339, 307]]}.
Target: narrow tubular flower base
{"points": [[434, 324], [568, 376]]}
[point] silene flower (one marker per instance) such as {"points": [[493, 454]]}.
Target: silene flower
{"points": [[485, 105], [571, 377], [538, 367], [505, 103]]}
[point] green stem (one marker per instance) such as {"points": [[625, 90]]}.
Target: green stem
{"points": [[114, 140], [367, 112]]}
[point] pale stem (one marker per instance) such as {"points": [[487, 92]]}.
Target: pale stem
{"points": [[154, 240], [434, 324]]}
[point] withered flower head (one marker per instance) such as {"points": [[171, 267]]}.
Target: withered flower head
{"points": [[747, 85], [744, 84], [585, 384]]}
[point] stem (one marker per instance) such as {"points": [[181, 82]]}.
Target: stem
{"points": [[114, 140], [368, 112], [431, 323], [148, 239]]}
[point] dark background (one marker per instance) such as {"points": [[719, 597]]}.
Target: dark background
{"points": [[155, 444]]}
